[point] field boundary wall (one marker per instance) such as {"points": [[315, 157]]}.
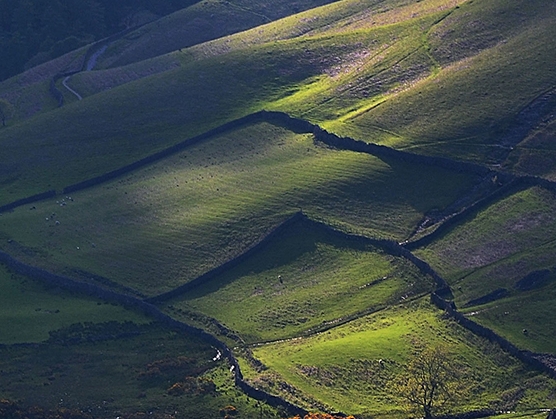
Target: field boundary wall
{"points": [[155, 313]]}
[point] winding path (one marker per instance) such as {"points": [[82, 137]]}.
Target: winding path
{"points": [[65, 84]]}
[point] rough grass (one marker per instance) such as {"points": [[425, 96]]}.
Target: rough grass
{"points": [[523, 311], [170, 222], [341, 367], [536, 154], [123, 376], [30, 310], [305, 279], [499, 247], [514, 225]]}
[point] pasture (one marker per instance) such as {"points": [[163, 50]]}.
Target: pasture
{"points": [[306, 279], [30, 310], [164, 225], [351, 368]]}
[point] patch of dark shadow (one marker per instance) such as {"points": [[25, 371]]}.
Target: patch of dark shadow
{"points": [[532, 115], [546, 359], [97, 279], [533, 280], [491, 296]]}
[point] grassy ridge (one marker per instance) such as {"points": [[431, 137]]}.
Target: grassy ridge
{"points": [[304, 279], [523, 311], [341, 367]]}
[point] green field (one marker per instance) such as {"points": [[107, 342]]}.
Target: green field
{"points": [[166, 224], [318, 312], [305, 279], [341, 367]]}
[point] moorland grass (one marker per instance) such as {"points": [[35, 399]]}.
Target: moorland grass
{"points": [[536, 154], [30, 310], [199, 23], [342, 367], [469, 105], [172, 221], [304, 279]]}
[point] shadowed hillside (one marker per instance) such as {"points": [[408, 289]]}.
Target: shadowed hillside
{"points": [[261, 209]]}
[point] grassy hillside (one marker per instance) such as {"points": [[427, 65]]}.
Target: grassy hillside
{"points": [[332, 76], [144, 371], [206, 20], [471, 103], [59, 350], [505, 247], [170, 222], [342, 318], [351, 367], [29, 310], [306, 278]]}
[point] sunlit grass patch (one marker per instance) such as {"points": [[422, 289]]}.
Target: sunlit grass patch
{"points": [[525, 318], [350, 367], [168, 223], [305, 279]]}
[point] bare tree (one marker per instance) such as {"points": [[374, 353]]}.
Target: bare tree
{"points": [[431, 383]]}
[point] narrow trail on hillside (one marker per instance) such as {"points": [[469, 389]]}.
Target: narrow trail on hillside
{"points": [[88, 66], [65, 84]]}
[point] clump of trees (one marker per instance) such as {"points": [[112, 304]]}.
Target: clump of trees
{"points": [[35, 31]]}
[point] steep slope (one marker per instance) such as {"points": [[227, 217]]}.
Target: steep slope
{"points": [[256, 226]]}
